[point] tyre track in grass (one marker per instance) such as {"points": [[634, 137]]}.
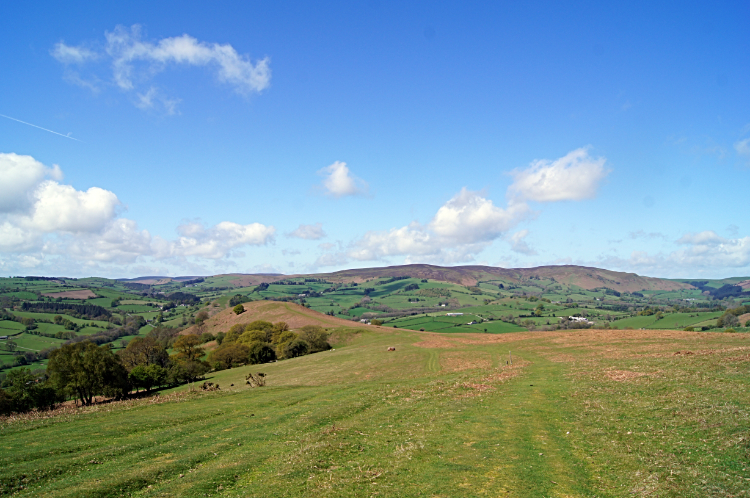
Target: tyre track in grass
{"points": [[524, 444]]}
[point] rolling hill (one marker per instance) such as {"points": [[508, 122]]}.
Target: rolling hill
{"points": [[570, 275], [294, 315]]}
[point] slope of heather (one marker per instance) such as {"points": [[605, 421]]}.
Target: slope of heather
{"points": [[581, 276], [294, 315]]}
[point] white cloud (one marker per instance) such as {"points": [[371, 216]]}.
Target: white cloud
{"points": [[461, 228], [705, 253], [217, 241], [518, 243], [308, 232], [468, 218], [152, 99], [339, 181], [134, 61], [574, 177], [72, 55], [743, 147], [120, 242], [39, 217], [63, 208], [20, 177]]}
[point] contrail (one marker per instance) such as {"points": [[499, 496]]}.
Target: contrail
{"points": [[45, 129]]}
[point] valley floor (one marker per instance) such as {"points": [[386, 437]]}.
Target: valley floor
{"points": [[579, 413]]}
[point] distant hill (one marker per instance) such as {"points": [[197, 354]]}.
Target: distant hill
{"points": [[294, 315], [581, 276]]}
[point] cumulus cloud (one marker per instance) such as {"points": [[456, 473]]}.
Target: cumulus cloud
{"points": [[63, 208], [40, 217], [468, 218], [135, 60], [308, 232], [21, 175], [518, 243], [461, 228], [573, 177], [217, 241], [339, 182]]}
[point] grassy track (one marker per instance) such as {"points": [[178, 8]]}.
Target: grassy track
{"points": [[580, 413]]}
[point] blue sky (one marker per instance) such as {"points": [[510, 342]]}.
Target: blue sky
{"points": [[202, 138]]}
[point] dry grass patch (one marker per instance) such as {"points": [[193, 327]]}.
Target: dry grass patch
{"points": [[465, 360], [435, 342], [76, 294], [623, 375]]}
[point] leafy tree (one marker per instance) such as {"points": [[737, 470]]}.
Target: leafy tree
{"points": [[239, 309], [285, 336], [85, 370], [253, 336], [220, 338], [26, 391], [234, 333], [316, 337], [143, 351], [148, 376], [201, 317], [165, 336], [229, 355], [728, 320], [193, 370], [259, 325], [294, 348], [261, 352], [188, 348]]}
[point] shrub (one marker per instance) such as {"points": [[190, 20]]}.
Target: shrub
{"points": [[201, 317], [689, 329], [239, 309], [376, 322], [730, 330]]}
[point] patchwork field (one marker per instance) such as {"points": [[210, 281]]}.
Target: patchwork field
{"points": [[578, 413]]}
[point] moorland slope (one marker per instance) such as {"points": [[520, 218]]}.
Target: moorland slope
{"points": [[581, 276]]}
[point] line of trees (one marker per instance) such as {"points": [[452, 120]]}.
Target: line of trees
{"points": [[88, 311], [83, 370]]}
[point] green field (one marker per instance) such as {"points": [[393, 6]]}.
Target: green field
{"points": [[438, 417]]}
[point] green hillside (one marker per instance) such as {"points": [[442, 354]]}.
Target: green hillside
{"points": [[442, 415]]}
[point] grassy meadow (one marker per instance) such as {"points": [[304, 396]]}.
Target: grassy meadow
{"points": [[579, 413]]}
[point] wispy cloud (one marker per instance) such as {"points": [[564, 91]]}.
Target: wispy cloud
{"points": [[134, 60], [308, 232]]}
